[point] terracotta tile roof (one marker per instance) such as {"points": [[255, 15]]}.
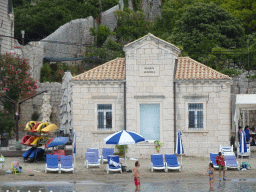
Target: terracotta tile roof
{"points": [[112, 70], [151, 36], [188, 68]]}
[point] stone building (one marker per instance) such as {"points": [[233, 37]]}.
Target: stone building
{"points": [[154, 92], [6, 26]]}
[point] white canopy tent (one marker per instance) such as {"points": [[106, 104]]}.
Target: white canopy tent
{"points": [[244, 102]]}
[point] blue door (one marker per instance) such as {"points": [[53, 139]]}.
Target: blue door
{"points": [[150, 121]]}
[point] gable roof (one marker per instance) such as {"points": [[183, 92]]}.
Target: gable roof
{"points": [[112, 70], [154, 37], [189, 69]]}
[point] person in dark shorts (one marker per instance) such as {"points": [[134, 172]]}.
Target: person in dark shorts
{"points": [[136, 176], [220, 160], [211, 175]]}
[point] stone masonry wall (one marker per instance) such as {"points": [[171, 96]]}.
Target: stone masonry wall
{"points": [[6, 28], [217, 122], [85, 100], [27, 109], [242, 85], [158, 89]]}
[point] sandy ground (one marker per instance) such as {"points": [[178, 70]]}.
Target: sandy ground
{"points": [[193, 168]]}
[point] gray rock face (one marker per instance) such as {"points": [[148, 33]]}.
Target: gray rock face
{"points": [[71, 39]]}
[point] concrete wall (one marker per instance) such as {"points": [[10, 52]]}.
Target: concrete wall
{"points": [[27, 109], [157, 89], [6, 28], [217, 122], [85, 100]]}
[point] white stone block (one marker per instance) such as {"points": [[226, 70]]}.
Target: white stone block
{"points": [[208, 89]]}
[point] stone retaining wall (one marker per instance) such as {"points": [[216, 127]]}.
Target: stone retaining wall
{"points": [[32, 105]]}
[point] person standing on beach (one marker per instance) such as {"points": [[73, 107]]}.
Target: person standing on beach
{"points": [[211, 175], [136, 176], [220, 160]]}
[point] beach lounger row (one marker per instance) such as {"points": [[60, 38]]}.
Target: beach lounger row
{"points": [[52, 163], [93, 158], [230, 161], [171, 162]]}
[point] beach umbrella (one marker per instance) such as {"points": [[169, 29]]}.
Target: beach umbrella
{"points": [[124, 138], [74, 147], [242, 147], [179, 145]]}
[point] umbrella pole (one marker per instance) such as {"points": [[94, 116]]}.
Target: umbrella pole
{"points": [[181, 162], [125, 155]]}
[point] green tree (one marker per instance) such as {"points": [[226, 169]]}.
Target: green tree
{"points": [[131, 25], [101, 34], [245, 11], [16, 83], [204, 26]]}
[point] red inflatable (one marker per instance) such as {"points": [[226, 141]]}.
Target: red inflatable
{"points": [[35, 127], [30, 140], [24, 139]]}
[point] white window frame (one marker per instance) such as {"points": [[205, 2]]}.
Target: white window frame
{"points": [[104, 117], [161, 117], [104, 102], [187, 115]]}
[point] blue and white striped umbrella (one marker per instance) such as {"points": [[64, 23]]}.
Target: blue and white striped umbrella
{"points": [[179, 146], [124, 138], [242, 147], [74, 148]]}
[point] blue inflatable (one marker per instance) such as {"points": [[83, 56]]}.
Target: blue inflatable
{"points": [[39, 154], [28, 152]]}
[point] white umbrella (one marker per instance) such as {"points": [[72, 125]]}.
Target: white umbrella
{"points": [[124, 138], [179, 145]]}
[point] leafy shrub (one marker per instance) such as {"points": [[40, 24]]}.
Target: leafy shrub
{"points": [[121, 149]]}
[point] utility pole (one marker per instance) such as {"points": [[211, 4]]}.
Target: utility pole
{"points": [[100, 12], [248, 54]]}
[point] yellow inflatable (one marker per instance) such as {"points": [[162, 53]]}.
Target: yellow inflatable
{"points": [[34, 143], [49, 128], [41, 126], [30, 125]]}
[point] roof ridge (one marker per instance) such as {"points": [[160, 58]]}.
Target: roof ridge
{"points": [[150, 34]]}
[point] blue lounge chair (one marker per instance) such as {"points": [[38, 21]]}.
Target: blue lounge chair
{"points": [[113, 164], [91, 159], [66, 163], [105, 153], [96, 151], [157, 162], [231, 162], [52, 163], [171, 162], [213, 160]]}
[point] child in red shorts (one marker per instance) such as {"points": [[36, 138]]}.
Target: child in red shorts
{"points": [[136, 175]]}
